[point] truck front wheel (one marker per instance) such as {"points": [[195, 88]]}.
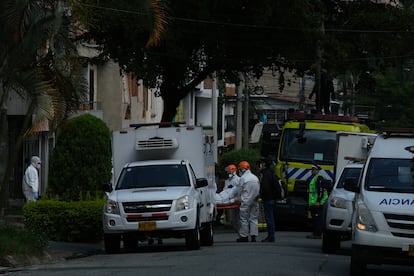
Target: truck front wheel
{"points": [[207, 234], [112, 243], [331, 241], [192, 238]]}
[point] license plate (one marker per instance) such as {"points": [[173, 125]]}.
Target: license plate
{"points": [[411, 250], [147, 226]]}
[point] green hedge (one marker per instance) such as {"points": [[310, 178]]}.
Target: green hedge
{"points": [[78, 221], [235, 156]]}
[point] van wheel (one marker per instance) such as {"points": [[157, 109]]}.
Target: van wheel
{"points": [[192, 238], [331, 241], [112, 243], [358, 267], [207, 235]]}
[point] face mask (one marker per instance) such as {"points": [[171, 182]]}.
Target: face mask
{"points": [[242, 171]]}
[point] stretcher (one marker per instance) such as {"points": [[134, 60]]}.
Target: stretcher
{"points": [[235, 205]]}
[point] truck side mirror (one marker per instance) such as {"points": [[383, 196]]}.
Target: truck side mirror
{"points": [[107, 187], [351, 184], [201, 182]]}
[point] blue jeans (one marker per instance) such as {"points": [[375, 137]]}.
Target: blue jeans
{"points": [[268, 207]]}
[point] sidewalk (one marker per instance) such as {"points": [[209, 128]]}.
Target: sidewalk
{"points": [[56, 252]]}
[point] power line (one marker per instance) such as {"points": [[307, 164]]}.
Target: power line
{"points": [[200, 21]]}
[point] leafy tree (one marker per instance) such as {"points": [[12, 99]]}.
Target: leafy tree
{"points": [[202, 37], [38, 62], [81, 160]]}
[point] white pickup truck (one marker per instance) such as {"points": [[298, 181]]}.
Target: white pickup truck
{"points": [[164, 189]]}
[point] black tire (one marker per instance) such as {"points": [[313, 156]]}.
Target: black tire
{"points": [[130, 241], [207, 235], [112, 243], [358, 267], [192, 238], [331, 241]]}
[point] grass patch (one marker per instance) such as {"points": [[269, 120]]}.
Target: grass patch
{"points": [[15, 240]]}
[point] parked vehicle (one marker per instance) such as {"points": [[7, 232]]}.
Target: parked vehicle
{"points": [[383, 219], [339, 209], [351, 153], [164, 187], [306, 139]]}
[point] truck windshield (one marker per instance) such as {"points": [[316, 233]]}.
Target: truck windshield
{"points": [[153, 176], [313, 145], [390, 175]]}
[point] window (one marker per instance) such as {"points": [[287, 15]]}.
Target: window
{"points": [[153, 176]]}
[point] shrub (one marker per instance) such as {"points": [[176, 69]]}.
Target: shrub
{"points": [[15, 240], [81, 160], [235, 156], [76, 221]]}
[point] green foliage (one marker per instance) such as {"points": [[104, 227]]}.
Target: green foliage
{"points": [[79, 221], [235, 156], [15, 240], [81, 160]]}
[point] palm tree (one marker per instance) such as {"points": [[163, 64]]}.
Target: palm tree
{"points": [[38, 62]]}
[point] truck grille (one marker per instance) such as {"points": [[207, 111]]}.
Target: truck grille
{"points": [[147, 206], [401, 223]]}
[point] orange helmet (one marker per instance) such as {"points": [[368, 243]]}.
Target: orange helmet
{"points": [[231, 168], [244, 165]]}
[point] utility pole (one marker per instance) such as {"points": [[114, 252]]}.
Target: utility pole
{"points": [[246, 114], [239, 106], [214, 101]]}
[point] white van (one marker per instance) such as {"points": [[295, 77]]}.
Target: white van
{"points": [[383, 220], [339, 209]]}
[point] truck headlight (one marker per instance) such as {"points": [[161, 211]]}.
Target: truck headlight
{"points": [[112, 207], [364, 219], [183, 203], [338, 202]]}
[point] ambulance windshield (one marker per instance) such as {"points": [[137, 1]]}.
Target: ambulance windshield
{"points": [[390, 175]]}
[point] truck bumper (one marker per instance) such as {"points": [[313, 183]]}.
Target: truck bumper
{"points": [[292, 211], [118, 224]]}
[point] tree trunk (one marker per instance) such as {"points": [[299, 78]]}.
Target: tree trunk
{"points": [[171, 102]]}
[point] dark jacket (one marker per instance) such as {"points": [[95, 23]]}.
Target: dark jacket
{"points": [[268, 188]]}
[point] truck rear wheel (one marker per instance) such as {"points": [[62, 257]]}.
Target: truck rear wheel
{"points": [[207, 235], [112, 243], [331, 241], [192, 238]]}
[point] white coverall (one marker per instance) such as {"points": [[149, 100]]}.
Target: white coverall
{"points": [[249, 206], [232, 185], [30, 183]]}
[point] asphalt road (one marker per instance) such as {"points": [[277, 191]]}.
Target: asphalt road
{"points": [[291, 254]]}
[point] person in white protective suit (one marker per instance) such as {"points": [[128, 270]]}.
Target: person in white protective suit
{"points": [[231, 195], [30, 183], [249, 206]]}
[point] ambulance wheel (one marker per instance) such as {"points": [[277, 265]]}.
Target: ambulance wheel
{"points": [[358, 266], [112, 243], [192, 238], [207, 235]]}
